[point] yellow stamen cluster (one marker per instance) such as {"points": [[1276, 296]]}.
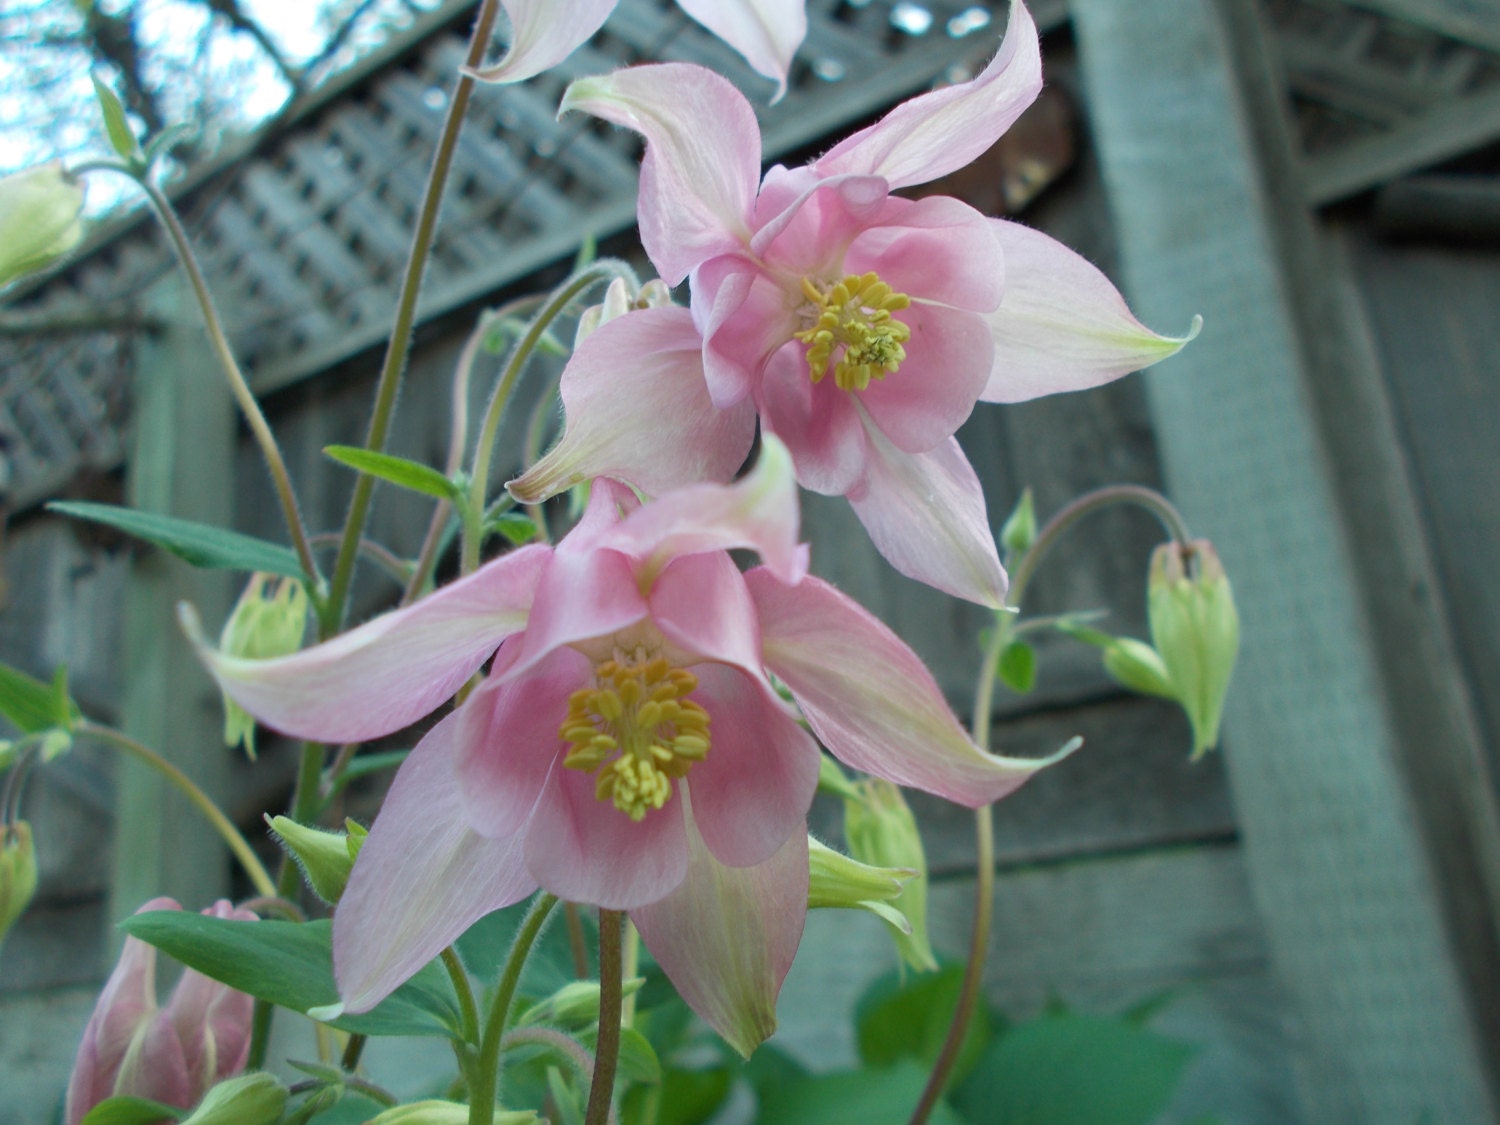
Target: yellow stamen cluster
{"points": [[854, 315], [636, 729]]}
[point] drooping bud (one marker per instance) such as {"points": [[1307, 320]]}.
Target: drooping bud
{"points": [[575, 1004], [841, 882], [250, 1099], [881, 831], [435, 1112], [268, 621], [40, 220], [1196, 630], [1138, 666], [17, 873], [326, 858]]}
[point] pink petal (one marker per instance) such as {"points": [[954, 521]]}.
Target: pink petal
{"points": [[508, 740], [154, 1066], [702, 160], [933, 134], [745, 318], [729, 634], [212, 1019], [810, 234], [391, 671], [1062, 326], [751, 794], [948, 361], [820, 424], [543, 33], [584, 594], [422, 878], [650, 421], [759, 511], [925, 513], [766, 32], [727, 935], [870, 699], [586, 850], [935, 249]]}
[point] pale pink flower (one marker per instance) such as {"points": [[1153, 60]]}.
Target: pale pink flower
{"points": [[861, 326], [172, 1055], [766, 33], [627, 748]]}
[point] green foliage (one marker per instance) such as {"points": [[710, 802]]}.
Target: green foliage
{"points": [[516, 527], [291, 964], [198, 544], [1068, 1068], [865, 1097], [484, 945], [131, 1111], [397, 470], [33, 706], [121, 137], [1017, 667], [895, 1021]]}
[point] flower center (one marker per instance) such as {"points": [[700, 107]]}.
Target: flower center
{"points": [[852, 318], [637, 731]]}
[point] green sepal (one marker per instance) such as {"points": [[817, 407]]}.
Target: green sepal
{"points": [[198, 544], [122, 137], [399, 471]]}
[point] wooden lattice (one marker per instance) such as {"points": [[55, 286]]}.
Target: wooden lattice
{"points": [[305, 240]]}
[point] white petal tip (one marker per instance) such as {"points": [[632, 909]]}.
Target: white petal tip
{"points": [[1193, 329], [327, 1013], [191, 624]]}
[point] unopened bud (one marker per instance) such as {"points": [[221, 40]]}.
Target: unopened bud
{"points": [[250, 1099], [435, 1112], [1138, 666], [1018, 532], [882, 832], [17, 873], [1196, 630], [326, 858], [618, 300], [575, 1004], [40, 221], [841, 882], [268, 621]]}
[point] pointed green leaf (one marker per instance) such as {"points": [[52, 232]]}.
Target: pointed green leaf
{"points": [[1017, 667], [291, 964], [397, 470], [131, 1111], [33, 706], [516, 527], [199, 544], [121, 136]]}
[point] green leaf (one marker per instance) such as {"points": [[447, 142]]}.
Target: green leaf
{"points": [[291, 964], [1017, 667], [1074, 1069], [896, 1021], [516, 527], [868, 1097], [691, 1097], [199, 544], [33, 706], [121, 137], [131, 1111], [638, 1061], [397, 470]]}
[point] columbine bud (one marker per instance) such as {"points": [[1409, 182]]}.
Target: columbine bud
{"points": [[1138, 666], [841, 882], [1196, 630], [250, 1099], [434, 1112], [173, 1055], [882, 832], [17, 873], [262, 625], [326, 858], [39, 219], [618, 301], [575, 1004], [1018, 532]]}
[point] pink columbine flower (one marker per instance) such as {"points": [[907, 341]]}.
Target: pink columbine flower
{"points": [[172, 1055], [544, 32], [627, 748], [861, 326]]}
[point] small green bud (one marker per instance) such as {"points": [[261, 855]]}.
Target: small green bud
{"points": [[1018, 532], [250, 1099], [17, 873], [436, 1112], [882, 832], [1138, 666], [40, 221], [326, 858], [840, 882], [575, 1004], [1196, 630], [266, 622]]}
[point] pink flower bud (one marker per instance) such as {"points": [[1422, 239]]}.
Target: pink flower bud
{"points": [[172, 1055]]}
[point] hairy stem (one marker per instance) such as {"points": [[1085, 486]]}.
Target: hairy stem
{"points": [[487, 1067], [607, 1051]]}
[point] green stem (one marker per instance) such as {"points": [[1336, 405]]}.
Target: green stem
{"points": [[468, 1014], [200, 800], [556, 305], [607, 1051], [487, 1067], [406, 311], [256, 420]]}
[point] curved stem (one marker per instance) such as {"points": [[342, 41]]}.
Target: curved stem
{"points": [[238, 386], [468, 1014], [984, 893], [406, 310], [607, 1050], [487, 1067], [200, 800]]}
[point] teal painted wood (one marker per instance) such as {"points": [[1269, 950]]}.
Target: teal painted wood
{"points": [[1334, 858]]}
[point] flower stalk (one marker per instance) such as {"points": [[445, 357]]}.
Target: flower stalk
{"points": [[485, 1079], [607, 1050]]}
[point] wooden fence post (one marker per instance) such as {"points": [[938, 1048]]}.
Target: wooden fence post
{"points": [[181, 464]]}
